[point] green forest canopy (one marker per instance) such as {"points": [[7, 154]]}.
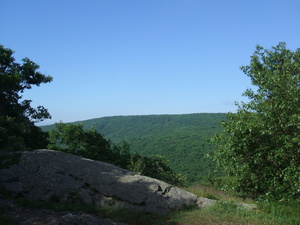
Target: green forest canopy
{"points": [[182, 139]]}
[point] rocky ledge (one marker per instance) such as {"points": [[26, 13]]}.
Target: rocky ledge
{"points": [[28, 216], [47, 175]]}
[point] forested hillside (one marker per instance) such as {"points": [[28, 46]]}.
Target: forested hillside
{"points": [[182, 139]]}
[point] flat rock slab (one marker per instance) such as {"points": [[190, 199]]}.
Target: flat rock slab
{"points": [[28, 216], [48, 175]]}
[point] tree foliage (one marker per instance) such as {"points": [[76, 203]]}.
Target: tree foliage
{"points": [[260, 146], [182, 139], [72, 138], [89, 144], [155, 166], [17, 117]]}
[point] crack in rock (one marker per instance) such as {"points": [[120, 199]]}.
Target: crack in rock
{"points": [[167, 190]]}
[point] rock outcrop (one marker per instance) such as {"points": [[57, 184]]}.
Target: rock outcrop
{"points": [[28, 216], [48, 175]]}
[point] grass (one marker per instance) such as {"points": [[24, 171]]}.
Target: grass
{"points": [[224, 211], [218, 214], [207, 191], [229, 213]]}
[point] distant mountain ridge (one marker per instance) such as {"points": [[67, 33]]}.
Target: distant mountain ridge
{"points": [[182, 139]]}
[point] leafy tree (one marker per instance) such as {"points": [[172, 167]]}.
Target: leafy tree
{"points": [[17, 118], [89, 144], [260, 146], [155, 166]]}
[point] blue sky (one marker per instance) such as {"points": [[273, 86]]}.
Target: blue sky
{"points": [[134, 57]]}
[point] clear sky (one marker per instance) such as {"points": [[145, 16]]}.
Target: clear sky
{"points": [[141, 57]]}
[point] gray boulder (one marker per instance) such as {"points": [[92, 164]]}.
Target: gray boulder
{"points": [[48, 175]]}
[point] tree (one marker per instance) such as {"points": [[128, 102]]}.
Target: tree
{"points": [[259, 148], [88, 144], [17, 118], [155, 166]]}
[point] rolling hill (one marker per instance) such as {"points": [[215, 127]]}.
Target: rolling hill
{"points": [[182, 139]]}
